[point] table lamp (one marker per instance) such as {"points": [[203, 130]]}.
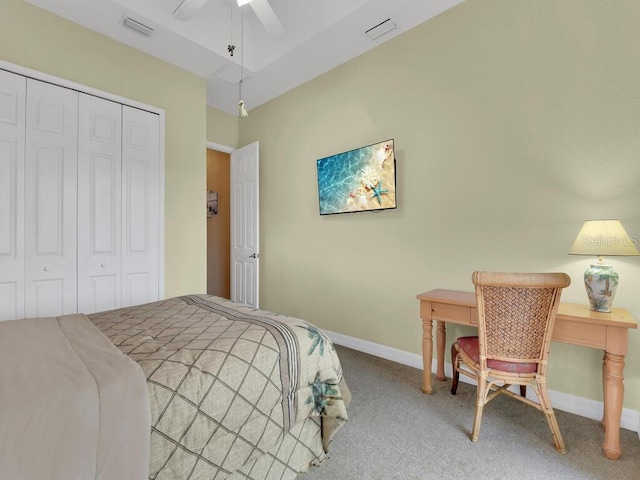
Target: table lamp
{"points": [[602, 238]]}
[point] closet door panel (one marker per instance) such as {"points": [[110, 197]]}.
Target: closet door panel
{"points": [[140, 212], [51, 200], [12, 138], [99, 205]]}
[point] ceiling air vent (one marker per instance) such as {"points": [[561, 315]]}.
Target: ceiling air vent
{"points": [[380, 29], [231, 74], [188, 8], [137, 26]]}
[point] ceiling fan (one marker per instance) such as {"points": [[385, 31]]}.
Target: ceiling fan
{"points": [[263, 10]]}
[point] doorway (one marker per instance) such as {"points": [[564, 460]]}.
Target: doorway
{"points": [[218, 223]]}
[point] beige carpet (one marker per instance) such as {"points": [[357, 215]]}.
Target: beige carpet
{"points": [[397, 432]]}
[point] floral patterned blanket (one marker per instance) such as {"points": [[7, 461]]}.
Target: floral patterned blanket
{"points": [[235, 392]]}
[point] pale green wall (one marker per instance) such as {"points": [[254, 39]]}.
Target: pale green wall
{"points": [[222, 127], [514, 122], [36, 39]]}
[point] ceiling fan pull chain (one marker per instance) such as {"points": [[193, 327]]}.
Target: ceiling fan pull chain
{"points": [[241, 109]]}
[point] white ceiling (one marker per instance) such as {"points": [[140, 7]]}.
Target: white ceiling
{"points": [[318, 36]]}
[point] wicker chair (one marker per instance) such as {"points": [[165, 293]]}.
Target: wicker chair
{"points": [[516, 314]]}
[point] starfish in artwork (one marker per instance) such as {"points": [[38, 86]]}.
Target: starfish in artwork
{"points": [[377, 191]]}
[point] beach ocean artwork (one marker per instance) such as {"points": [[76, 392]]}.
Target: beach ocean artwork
{"points": [[359, 180]]}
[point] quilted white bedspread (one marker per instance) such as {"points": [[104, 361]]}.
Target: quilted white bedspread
{"points": [[231, 386]]}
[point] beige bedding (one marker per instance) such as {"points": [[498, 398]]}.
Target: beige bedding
{"points": [[72, 406], [235, 392]]}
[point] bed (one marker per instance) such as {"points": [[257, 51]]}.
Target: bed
{"points": [[233, 392]]}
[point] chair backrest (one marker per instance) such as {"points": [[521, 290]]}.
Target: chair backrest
{"points": [[516, 314]]}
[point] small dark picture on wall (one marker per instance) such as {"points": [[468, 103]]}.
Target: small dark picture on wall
{"points": [[212, 203]]}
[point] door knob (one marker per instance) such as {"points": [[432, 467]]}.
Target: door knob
{"points": [[254, 255], [103, 265], [45, 268]]}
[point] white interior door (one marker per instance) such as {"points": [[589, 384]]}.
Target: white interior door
{"points": [[245, 225], [12, 136], [51, 200], [99, 205], [140, 206]]}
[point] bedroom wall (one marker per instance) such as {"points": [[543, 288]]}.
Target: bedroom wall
{"points": [[222, 128], [514, 122], [36, 39]]}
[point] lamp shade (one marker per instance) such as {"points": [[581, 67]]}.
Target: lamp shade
{"points": [[604, 238]]}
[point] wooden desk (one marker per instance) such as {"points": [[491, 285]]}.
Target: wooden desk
{"points": [[575, 324]]}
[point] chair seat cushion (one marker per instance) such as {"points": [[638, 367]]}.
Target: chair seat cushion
{"points": [[472, 349]]}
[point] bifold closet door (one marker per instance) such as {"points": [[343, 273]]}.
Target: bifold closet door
{"points": [[140, 212], [50, 200], [12, 134], [99, 205]]}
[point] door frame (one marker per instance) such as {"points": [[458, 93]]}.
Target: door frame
{"points": [[218, 147], [226, 149]]}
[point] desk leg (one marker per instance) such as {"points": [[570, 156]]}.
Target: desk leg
{"points": [[441, 339], [613, 377], [427, 354]]}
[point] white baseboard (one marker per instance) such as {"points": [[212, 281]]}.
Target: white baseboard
{"points": [[584, 407]]}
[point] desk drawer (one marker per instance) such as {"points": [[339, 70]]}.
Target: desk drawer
{"points": [[579, 333], [451, 313]]}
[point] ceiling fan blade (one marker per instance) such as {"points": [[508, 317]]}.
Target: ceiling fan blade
{"points": [[188, 8], [267, 16]]}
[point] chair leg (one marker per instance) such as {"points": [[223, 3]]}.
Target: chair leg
{"points": [[551, 419], [481, 396], [456, 372]]}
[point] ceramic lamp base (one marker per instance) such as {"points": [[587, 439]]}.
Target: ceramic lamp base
{"points": [[601, 282]]}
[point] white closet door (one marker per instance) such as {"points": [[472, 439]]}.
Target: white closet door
{"points": [[99, 205], [140, 206], [12, 122], [51, 200]]}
